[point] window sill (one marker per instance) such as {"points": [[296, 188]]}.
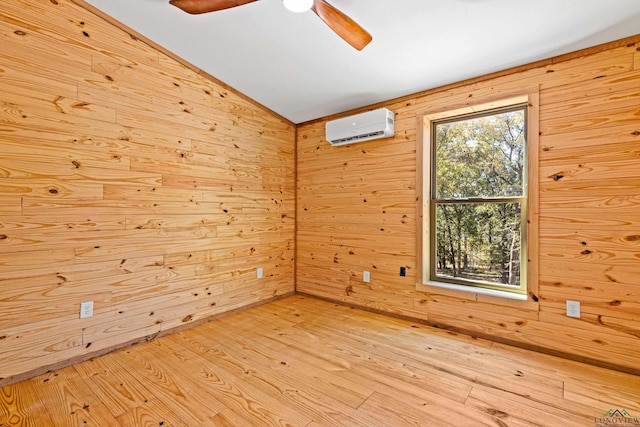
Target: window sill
{"points": [[438, 287]]}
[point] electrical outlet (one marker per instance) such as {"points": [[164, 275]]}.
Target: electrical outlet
{"points": [[403, 271], [86, 309], [366, 276], [259, 273], [573, 309]]}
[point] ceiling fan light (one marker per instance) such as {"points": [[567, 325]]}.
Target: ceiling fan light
{"points": [[298, 5]]}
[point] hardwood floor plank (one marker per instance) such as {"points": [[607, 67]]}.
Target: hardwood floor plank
{"points": [[394, 411], [509, 406], [378, 372], [568, 370], [302, 371], [22, 407], [155, 413], [162, 381], [317, 390], [231, 418], [230, 382], [464, 366], [601, 395], [398, 378], [70, 401], [447, 412], [305, 362], [118, 389]]}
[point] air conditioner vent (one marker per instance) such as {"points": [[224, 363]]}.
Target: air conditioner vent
{"points": [[368, 137]]}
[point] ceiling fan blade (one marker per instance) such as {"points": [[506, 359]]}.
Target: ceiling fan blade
{"points": [[342, 25], [204, 6]]}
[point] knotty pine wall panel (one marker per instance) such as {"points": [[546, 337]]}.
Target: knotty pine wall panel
{"points": [[357, 211], [129, 180]]}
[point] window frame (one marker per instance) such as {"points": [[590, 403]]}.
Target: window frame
{"points": [[529, 238]]}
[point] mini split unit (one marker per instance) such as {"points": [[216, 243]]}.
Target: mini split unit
{"points": [[374, 124]]}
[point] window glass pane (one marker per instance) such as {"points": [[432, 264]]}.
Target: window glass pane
{"points": [[479, 242], [481, 156]]}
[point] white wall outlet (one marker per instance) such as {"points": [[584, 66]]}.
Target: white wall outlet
{"points": [[259, 273], [573, 309], [86, 309], [366, 276]]}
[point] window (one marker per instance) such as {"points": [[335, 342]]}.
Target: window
{"points": [[475, 199]]}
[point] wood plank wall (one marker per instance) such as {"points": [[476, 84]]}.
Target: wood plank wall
{"points": [[357, 211], [130, 180]]}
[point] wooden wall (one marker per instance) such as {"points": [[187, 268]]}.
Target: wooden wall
{"points": [[357, 211], [130, 180]]}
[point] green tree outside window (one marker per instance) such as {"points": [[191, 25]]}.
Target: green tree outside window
{"points": [[478, 199]]}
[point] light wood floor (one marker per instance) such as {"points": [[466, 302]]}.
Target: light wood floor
{"points": [[305, 362]]}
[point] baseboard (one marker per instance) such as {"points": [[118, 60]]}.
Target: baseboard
{"points": [[488, 337], [75, 360], [514, 343]]}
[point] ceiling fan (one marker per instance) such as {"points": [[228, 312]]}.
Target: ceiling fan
{"points": [[340, 23]]}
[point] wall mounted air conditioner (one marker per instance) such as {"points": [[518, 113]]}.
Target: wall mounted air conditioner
{"points": [[374, 124]]}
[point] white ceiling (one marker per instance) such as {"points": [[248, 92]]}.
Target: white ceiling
{"points": [[296, 66]]}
